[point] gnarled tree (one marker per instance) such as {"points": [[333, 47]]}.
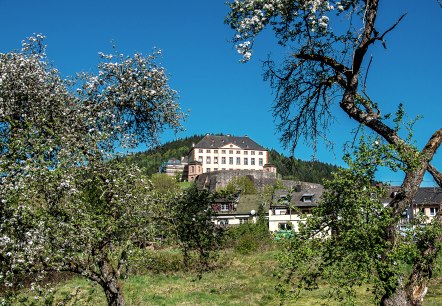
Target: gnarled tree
{"points": [[325, 67]]}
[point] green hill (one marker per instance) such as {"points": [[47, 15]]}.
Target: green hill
{"points": [[288, 167]]}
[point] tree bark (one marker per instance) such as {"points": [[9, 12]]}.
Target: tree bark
{"points": [[109, 281], [113, 293]]}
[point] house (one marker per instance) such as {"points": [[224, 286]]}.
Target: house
{"points": [[217, 153], [235, 210], [426, 203], [174, 166], [288, 209]]}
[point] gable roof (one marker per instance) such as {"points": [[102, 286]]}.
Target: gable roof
{"points": [[297, 197], [428, 195], [213, 142]]}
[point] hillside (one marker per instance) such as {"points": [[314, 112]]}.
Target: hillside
{"points": [[288, 167]]}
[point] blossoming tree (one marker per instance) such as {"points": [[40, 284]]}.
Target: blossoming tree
{"points": [[326, 66], [67, 202]]}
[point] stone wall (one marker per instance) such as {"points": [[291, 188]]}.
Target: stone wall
{"points": [[220, 179]]}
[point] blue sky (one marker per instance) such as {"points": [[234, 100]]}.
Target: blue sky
{"points": [[224, 96]]}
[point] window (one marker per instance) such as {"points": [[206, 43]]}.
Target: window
{"points": [[223, 151], [283, 200], [307, 197], [207, 151], [252, 161], [191, 169], [246, 161], [200, 159], [223, 160], [223, 168], [200, 151], [243, 220], [284, 226], [215, 151], [208, 160], [260, 161], [245, 152], [433, 211], [224, 222], [230, 151], [208, 170], [224, 207], [215, 160], [259, 153], [252, 152], [215, 169], [238, 152], [238, 160], [230, 160]]}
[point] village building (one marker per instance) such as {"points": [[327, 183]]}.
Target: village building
{"points": [[174, 166], [288, 209], [235, 210]]}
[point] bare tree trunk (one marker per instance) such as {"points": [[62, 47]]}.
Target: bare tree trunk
{"points": [[109, 281], [113, 293]]}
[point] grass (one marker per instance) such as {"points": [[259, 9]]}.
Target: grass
{"points": [[238, 280]]}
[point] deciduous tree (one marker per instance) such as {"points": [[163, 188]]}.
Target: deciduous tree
{"points": [[325, 67], [67, 202]]}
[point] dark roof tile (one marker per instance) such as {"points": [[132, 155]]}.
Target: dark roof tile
{"points": [[213, 142]]}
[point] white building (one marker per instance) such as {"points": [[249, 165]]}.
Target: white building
{"points": [[228, 152], [288, 210]]}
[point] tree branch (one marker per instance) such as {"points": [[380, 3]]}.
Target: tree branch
{"points": [[436, 174], [332, 63]]}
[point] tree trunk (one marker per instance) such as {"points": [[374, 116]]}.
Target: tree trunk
{"points": [[109, 281], [113, 293], [398, 298]]}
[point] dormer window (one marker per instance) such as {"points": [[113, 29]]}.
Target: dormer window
{"points": [[283, 199], [308, 197]]}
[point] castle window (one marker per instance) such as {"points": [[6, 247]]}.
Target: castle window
{"points": [[260, 161], [238, 152], [260, 153], [200, 150], [230, 151], [246, 152], [433, 211], [215, 151], [207, 151], [246, 161], [208, 160], [252, 152], [238, 160], [230, 160], [223, 151], [200, 159], [215, 160], [223, 160], [252, 161]]}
